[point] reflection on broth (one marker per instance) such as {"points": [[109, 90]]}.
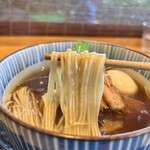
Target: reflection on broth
{"points": [[119, 111]]}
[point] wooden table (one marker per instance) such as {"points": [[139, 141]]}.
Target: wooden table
{"points": [[10, 44]]}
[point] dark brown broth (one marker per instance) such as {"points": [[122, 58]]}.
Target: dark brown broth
{"points": [[37, 81], [135, 116]]}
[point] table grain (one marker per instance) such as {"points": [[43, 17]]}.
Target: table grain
{"points": [[10, 44]]}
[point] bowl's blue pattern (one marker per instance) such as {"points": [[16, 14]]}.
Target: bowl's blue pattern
{"points": [[25, 138]]}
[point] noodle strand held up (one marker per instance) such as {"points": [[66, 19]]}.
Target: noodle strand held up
{"points": [[51, 102], [78, 91]]}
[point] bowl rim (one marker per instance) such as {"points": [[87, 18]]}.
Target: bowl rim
{"points": [[73, 137]]}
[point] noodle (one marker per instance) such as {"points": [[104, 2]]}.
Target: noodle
{"points": [[80, 79], [72, 102], [51, 103], [23, 105]]}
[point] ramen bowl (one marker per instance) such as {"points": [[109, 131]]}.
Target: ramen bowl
{"points": [[25, 136]]}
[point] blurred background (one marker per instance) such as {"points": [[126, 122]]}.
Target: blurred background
{"points": [[73, 17]]}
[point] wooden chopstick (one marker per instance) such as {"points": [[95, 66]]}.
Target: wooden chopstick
{"points": [[128, 64], [119, 63]]}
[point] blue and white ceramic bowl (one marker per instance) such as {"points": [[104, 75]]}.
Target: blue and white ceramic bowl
{"points": [[24, 136]]}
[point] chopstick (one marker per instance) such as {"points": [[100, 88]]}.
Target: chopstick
{"points": [[128, 64], [118, 63]]}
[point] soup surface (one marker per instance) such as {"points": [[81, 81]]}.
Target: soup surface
{"points": [[134, 115]]}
